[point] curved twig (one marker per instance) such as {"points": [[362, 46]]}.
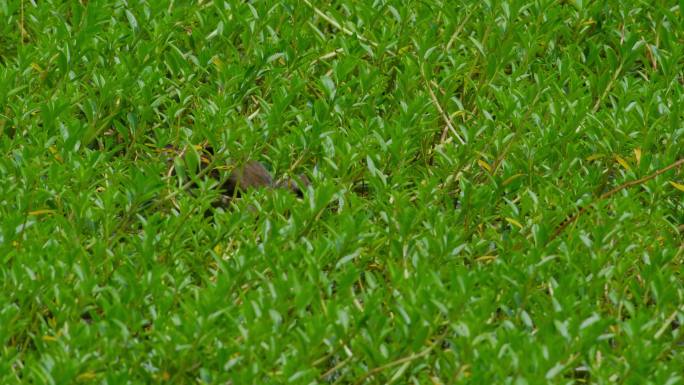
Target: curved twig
{"points": [[572, 218], [402, 360]]}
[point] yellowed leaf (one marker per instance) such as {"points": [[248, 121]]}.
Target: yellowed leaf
{"points": [[41, 212], [623, 162], [375, 266], [511, 179], [637, 155], [486, 258], [49, 338], [484, 165], [217, 62], [514, 222], [86, 376], [678, 186], [594, 157], [53, 150]]}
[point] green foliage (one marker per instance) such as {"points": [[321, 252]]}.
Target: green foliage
{"points": [[414, 258]]}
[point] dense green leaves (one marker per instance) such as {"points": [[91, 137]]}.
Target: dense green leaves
{"points": [[446, 141]]}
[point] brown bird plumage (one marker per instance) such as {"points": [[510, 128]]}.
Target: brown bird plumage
{"points": [[253, 174], [250, 175]]}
